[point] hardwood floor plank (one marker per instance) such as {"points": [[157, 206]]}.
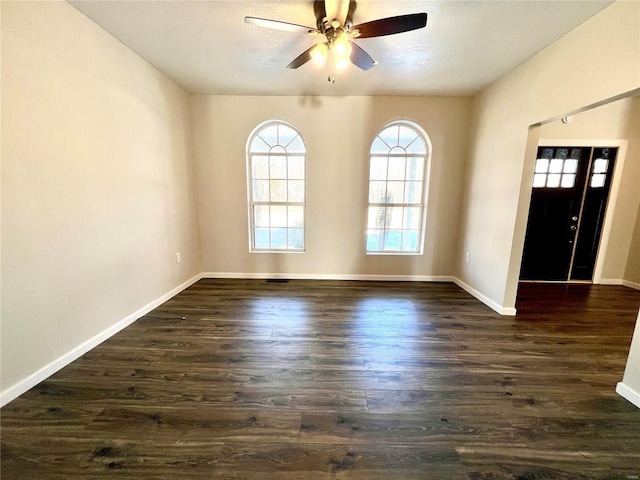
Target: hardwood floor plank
{"points": [[246, 379]]}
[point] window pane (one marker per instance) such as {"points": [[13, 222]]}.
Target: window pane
{"points": [[539, 180], [278, 167], [406, 136], [410, 240], [396, 168], [598, 180], [296, 217], [278, 190], [278, 216], [378, 169], [285, 135], [390, 136], [270, 135], [375, 240], [261, 215], [376, 217], [261, 238], [392, 240], [396, 228], [413, 192], [379, 146], [555, 166], [296, 145], [278, 238], [296, 190], [394, 217], [296, 167], [600, 165], [260, 167], [296, 238], [570, 166], [395, 192], [568, 180], [415, 168], [542, 165], [553, 181], [412, 218], [277, 184], [377, 192], [261, 190], [259, 146], [417, 146]]}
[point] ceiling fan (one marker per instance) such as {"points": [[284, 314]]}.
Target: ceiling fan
{"points": [[337, 30]]}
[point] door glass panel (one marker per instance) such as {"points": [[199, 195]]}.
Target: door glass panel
{"points": [[568, 180], [597, 180], [539, 180], [553, 181], [542, 165], [600, 165], [555, 166], [570, 166]]}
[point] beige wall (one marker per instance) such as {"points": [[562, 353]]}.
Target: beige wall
{"points": [[598, 60], [618, 120], [338, 132], [632, 273], [96, 185]]}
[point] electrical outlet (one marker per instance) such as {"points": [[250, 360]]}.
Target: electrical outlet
{"points": [[178, 257], [467, 257]]}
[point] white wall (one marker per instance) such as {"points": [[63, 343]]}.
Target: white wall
{"points": [[618, 120], [629, 387], [338, 132], [96, 187], [598, 60]]}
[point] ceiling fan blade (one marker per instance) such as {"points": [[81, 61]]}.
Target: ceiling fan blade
{"points": [[301, 59], [278, 25], [360, 58], [391, 25], [320, 12], [337, 9]]}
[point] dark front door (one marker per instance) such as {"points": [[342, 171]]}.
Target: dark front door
{"points": [[570, 192]]}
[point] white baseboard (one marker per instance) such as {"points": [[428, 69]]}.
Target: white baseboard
{"points": [[32, 380], [386, 278], [45, 372], [629, 284], [628, 393], [610, 281], [329, 276], [510, 311]]}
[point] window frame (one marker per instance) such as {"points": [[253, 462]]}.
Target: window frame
{"points": [[251, 203], [424, 194]]}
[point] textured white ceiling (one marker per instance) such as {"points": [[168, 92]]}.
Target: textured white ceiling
{"points": [[206, 47]]}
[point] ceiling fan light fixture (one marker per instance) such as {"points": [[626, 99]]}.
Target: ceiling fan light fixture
{"points": [[319, 53], [342, 45], [341, 63]]}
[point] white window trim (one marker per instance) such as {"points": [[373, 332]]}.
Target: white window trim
{"points": [[251, 204], [425, 190]]}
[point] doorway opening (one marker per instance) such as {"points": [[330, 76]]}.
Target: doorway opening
{"points": [[571, 188]]}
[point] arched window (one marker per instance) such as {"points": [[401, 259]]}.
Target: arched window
{"points": [[399, 163], [276, 187]]}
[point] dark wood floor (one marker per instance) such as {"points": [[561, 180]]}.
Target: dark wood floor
{"points": [[342, 380]]}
